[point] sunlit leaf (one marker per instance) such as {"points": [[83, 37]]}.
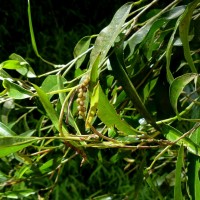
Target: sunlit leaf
{"points": [[109, 34], [93, 106], [19, 64], [108, 115], [25, 68], [15, 91]]}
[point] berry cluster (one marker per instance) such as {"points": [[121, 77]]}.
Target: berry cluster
{"points": [[81, 96]]}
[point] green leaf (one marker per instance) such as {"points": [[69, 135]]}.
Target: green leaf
{"points": [[25, 68], [93, 106], [80, 48], [108, 115], [170, 77], [4, 74], [177, 87], [94, 92], [52, 83], [109, 34], [13, 144], [193, 176], [184, 32], [19, 64], [6, 109], [60, 83], [46, 167], [31, 30], [119, 72], [180, 10], [52, 114], [138, 37], [6, 131], [194, 162], [173, 134], [15, 91], [179, 164], [18, 194], [10, 64], [148, 88], [33, 36]]}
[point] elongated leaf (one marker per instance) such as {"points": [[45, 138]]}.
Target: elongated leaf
{"points": [[93, 106], [4, 74], [170, 77], [138, 37], [193, 176], [109, 34], [60, 84], [173, 134], [5, 131], [80, 48], [13, 144], [53, 83], [25, 69], [18, 193], [122, 76], [31, 30], [177, 87], [10, 64], [194, 161], [6, 109], [179, 164], [15, 91], [49, 108], [184, 32], [19, 64], [33, 36], [108, 115], [94, 92], [180, 10]]}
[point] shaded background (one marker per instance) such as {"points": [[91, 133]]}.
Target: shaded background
{"points": [[58, 26]]}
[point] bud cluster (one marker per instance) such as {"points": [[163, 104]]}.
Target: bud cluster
{"points": [[81, 96]]}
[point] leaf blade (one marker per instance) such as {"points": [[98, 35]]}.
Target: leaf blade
{"points": [[108, 35], [177, 87]]}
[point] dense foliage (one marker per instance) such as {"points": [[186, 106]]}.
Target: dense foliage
{"points": [[120, 120]]}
